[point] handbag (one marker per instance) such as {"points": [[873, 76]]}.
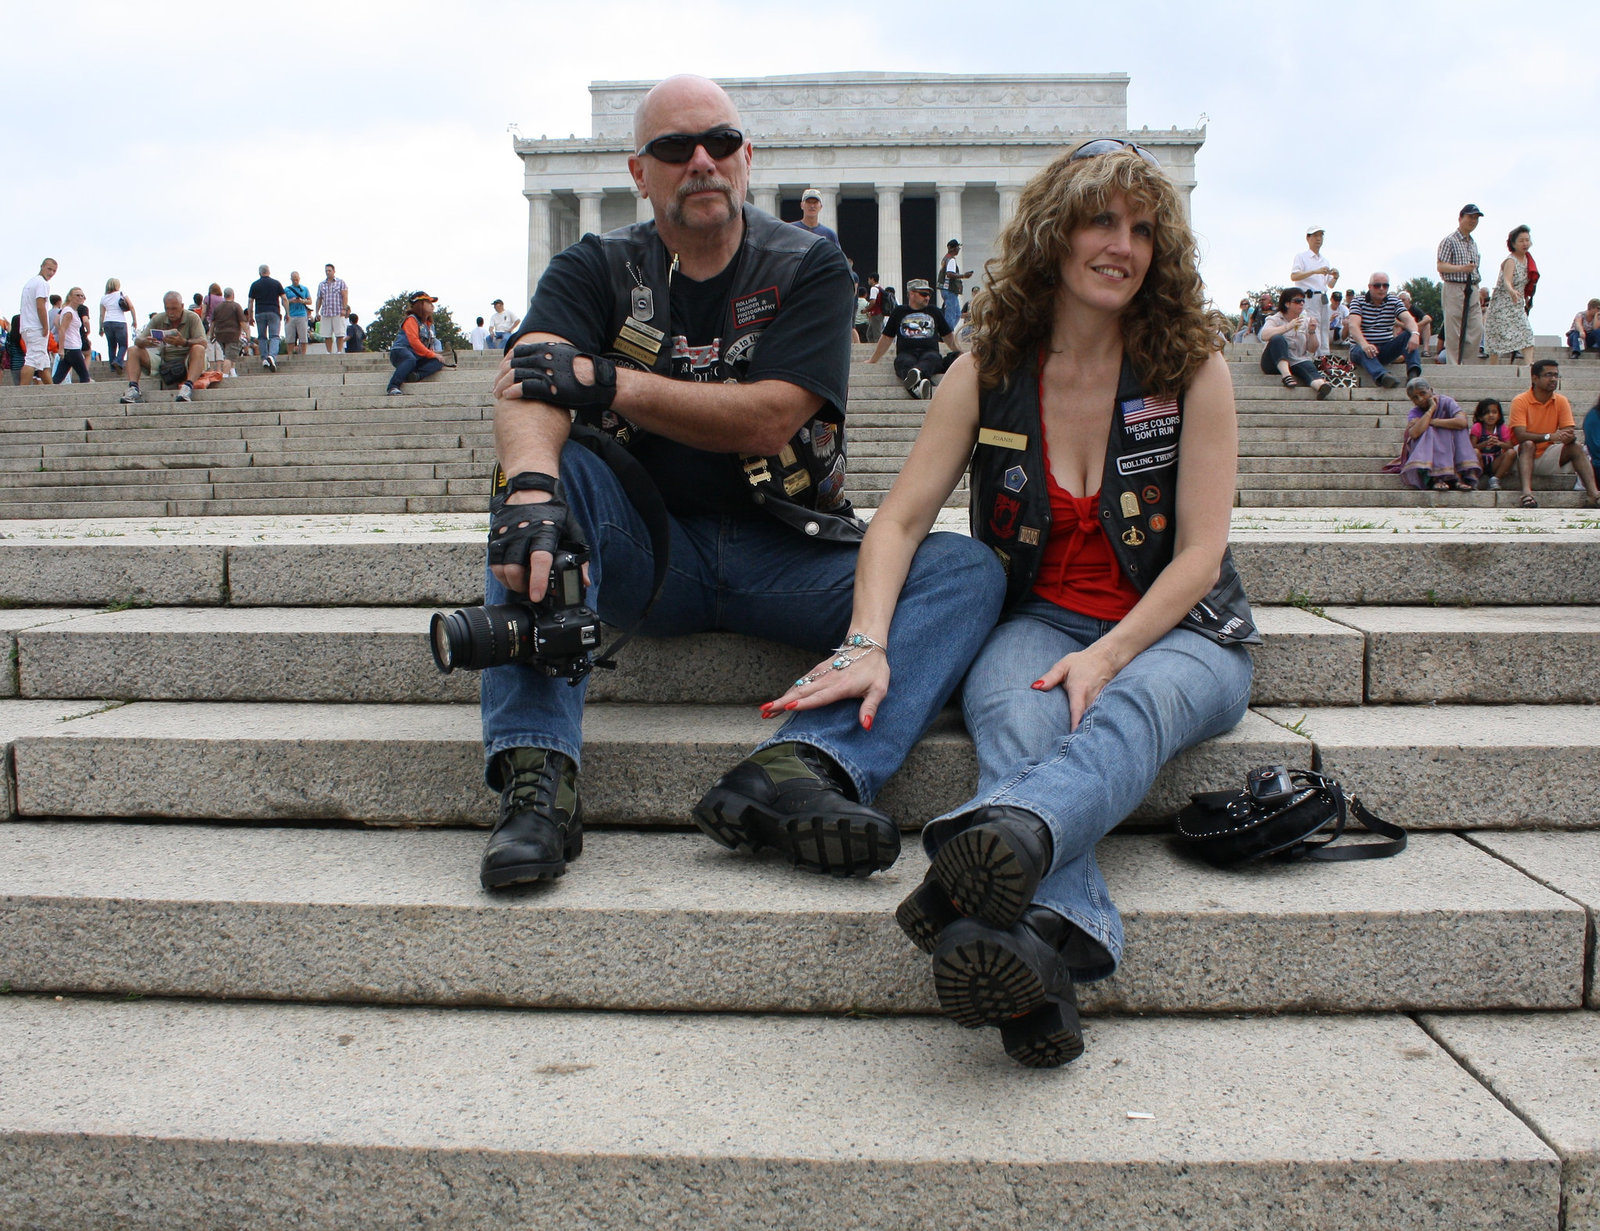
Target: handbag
{"points": [[1283, 815]]}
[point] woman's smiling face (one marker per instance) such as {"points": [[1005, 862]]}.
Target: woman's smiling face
{"points": [[1109, 256]]}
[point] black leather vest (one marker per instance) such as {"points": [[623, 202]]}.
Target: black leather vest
{"points": [[1010, 506], [803, 484]]}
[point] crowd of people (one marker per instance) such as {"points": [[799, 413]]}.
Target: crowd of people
{"points": [[1442, 447]]}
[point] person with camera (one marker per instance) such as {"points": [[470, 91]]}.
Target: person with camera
{"points": [[1094, 362], [711, 344]]}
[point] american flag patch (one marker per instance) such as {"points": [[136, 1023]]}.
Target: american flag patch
{"points": [[1144, 409]]}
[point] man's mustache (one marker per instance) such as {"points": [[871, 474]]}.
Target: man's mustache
{"points": [[711, 183]]}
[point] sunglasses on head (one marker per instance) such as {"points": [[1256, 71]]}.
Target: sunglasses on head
{"points": [[1112, 145], [679, 147]]}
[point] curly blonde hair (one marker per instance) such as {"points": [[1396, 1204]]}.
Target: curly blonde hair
{"points": [[1167, 330]]}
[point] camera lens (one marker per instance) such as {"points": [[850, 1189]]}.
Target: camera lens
{"points": [[479, 637]]}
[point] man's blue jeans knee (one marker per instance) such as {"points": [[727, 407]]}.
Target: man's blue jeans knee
{"points": [[1388, 352], [1183, 689], [760, 578]]}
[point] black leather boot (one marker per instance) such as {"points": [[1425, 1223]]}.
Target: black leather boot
{"points": [[991, 869], [791, 797], [541, 819]]}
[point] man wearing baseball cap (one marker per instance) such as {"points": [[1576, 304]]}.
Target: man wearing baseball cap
{"points": [[415, 352], [1457, 263], [951, 279], [917, 328], [811, 212], [1313, 275], [501, 325]]}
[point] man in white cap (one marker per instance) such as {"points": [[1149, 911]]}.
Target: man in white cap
{"points": [[1313, 275], [811, 213]]}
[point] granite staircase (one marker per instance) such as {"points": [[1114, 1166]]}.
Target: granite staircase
{"points": [[253, 981]]}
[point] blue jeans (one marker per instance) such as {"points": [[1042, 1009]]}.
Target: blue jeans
{"points": [[268, 328], [1388, 352], [408, 365], [496, 341], [951, 303], [763, 579], [116, 343], [1590, 341], [1183, 689]]}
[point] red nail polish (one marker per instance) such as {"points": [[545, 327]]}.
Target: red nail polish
{"points": [[866, 723], [791, 705], [1038, 684]]}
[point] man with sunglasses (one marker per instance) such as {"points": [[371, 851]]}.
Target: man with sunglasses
{"points": [[1371, 329], [713, 343]]}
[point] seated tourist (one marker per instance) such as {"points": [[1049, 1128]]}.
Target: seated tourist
{"points": [[1491, 437], [415, 352], [917, 328], [1374, 340], [1546, 436], [180, 337], [1585, 332], [1437, 450], [1094, 360], [1291, 340], [1424, 322]]}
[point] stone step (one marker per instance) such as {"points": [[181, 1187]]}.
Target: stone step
{"points": [[1400, 498], [1569, 863], [380, 654], [299, 914], [1447, 554], [423, 764], [386, 1117]]}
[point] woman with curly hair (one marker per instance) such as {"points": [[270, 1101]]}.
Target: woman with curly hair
{"points": [[1094, 363]]}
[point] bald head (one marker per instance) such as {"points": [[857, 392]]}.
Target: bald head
{"points": [[685, 103]]}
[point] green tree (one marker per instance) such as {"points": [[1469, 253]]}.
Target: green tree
{"points": [[383, 327], [1426, 300]]}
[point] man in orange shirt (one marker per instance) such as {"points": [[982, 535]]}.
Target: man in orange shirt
{"points": [[1546, 437]]}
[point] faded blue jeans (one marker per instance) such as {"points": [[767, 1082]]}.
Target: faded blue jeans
{"points": [[758, 577], [1183, 689]]}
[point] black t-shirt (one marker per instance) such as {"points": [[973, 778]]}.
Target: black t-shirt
{"points": [[355, 338], [916, 331], [807, 344], [264, 295]]}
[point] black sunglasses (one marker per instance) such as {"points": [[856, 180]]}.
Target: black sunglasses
{"points": [[680, 147], [1111, 145], [1377, 284]]}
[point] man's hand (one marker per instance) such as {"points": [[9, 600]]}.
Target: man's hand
{"points": [[558, 374], [523, 538], [1415, 341], [1371, 350], [1564, 435]]}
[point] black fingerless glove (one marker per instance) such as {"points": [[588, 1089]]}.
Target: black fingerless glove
{"points": [[516, 531], [545, 371]]}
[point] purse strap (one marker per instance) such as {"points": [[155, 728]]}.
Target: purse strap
{"points": [[1394, 837]]}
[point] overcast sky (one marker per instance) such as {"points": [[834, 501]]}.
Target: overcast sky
{"points": [[172, 153]]}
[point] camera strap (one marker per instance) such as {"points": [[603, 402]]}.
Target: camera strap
{"points": [[641, 491]]}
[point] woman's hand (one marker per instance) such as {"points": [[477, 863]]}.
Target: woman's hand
{"points": [[867, 678], [1084, 675]]}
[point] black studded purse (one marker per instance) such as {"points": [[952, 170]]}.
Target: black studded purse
{"points": [[1282, 815]]}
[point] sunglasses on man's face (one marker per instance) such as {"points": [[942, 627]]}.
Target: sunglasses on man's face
{"points": [[1378, 286], [1111, 145], [680, 147]]}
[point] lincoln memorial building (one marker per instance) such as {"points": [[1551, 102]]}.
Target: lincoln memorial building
{"points": [[904, 161]]}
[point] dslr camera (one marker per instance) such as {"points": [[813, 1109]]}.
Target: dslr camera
{"points": [[557, 635]]}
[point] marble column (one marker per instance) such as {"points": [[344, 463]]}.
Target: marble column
{"points": [[766, 200], [949, 224], [538, 236], [829, 217], [889, 238], [589, 211], [1010, 194]]}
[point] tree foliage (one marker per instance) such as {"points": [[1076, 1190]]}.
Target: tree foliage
{"points": [[1427, 300], [384, 326]]}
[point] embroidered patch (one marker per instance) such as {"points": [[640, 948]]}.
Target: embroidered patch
{"points": [[1151, 493], [1029, 536], [1130, 505], [823, 441], [1133, 536], [1015, 479], [759, 306], [1141, 410], [1002, 440], [1158, 523], [743, 348], [1155, 459], [1003, 517], [797, 482]]}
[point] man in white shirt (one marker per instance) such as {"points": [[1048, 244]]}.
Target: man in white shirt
{"points": [[501, 325], [34, 322], [478, 336], [1313, 275]]}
